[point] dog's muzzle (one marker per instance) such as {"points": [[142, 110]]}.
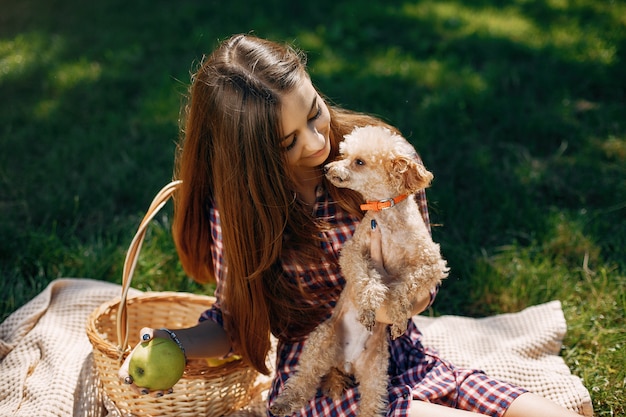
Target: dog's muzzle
{"points": [[335, 173]]}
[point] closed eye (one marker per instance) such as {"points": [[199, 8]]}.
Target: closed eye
{"points": [[317, 114], [292, 144]]}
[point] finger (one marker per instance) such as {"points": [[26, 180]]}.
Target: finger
{"points": [[139, 390], [376, 250], [123, 373], [145, 391], [160, 393], [146, 334]]}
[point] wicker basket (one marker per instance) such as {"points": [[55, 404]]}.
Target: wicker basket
{"points": [[203, 390]]}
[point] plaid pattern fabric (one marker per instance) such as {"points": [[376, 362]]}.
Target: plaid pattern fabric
{"points": [[415, 371]]}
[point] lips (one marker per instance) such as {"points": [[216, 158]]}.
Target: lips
{"points": [[318, 153]]}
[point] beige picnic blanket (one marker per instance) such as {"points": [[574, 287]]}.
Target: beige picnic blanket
{"points": [[46, 366], [521, 348]]}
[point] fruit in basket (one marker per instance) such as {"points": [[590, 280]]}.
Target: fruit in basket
{"points": [[214, 362], [157, 364]]}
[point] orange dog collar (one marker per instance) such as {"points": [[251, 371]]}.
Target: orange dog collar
{"points": [[382, 204]]}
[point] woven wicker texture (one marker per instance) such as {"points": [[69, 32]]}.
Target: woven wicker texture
{"points": [[203, 390]]}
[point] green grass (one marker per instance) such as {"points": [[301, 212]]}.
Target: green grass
{"points": [[519, 108]]}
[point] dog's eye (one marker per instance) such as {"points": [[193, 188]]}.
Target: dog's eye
{"points": [[359, 162]]}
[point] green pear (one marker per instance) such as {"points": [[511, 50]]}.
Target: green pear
{"points": [[157, 364]]}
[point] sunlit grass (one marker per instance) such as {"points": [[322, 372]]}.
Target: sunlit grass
{"points": [[70, 74], [432, 74], [460, 20], [454, 20], [329, 63], [62, 79], [310, 40], [25, 52], [547, 269], [567, 266], [579, 44], [596, 337], [158, 268], [614, 148], [45, 108]]}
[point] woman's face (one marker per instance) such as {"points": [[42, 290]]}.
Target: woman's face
{"points": [[306, 124]]}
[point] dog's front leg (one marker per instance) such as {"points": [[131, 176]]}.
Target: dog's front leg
{"points": [[399, 306], [373, 295], [364, 282]]}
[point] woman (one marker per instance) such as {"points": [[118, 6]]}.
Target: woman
{"points": [[255, 214]]}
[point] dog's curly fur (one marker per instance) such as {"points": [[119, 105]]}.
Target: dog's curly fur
{"points": [[379, 165]]}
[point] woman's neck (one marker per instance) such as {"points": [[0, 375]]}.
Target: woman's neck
{"points": [[306, 187], [306, 193]]}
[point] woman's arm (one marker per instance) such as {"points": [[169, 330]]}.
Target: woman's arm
{"points": [[206, 339]]}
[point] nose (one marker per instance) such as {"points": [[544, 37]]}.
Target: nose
{"points": [[318, 135], [325, 169], [314, 138]]}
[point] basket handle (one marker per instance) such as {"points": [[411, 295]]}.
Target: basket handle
{"points": [[131, 259]]}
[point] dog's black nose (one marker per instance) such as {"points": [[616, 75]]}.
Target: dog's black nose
{"points": [[325, 169]]}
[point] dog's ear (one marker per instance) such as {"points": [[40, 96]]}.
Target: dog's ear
{"points": [[412, 175]]}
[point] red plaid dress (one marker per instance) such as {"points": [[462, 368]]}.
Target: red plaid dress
{"points": [[416, 372]]}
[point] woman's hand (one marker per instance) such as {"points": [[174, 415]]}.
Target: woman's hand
{"points": [[419, 303], [147, 334], [376, 249], [207, 339]]}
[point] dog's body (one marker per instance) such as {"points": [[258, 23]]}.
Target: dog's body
{"points": [[380, 166]]}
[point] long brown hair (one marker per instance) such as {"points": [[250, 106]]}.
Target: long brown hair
{"points": [[229, 156]]}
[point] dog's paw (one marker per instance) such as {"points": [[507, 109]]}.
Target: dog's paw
{"points": [[281, 408], [367, 319], [335, 383]]}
